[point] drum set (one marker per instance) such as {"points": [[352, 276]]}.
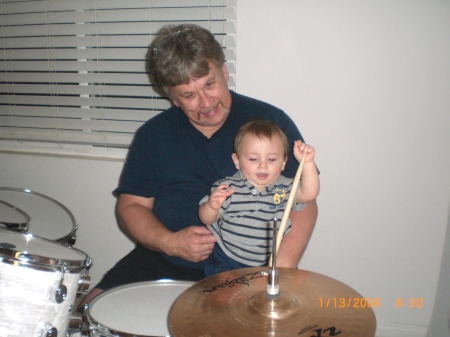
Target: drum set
{"points": [[41, 275], [40, 272]]}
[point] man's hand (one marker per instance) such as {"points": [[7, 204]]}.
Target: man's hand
{"points": [[136, 218], [193, 243]]}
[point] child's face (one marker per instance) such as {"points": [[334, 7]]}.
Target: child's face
{"points": [[260, 160]]}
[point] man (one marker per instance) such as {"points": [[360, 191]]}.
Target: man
{"points": [[176, 157]]}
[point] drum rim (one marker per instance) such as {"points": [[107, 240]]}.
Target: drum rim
{"points": [[121, 287], [23, 227], [35, 261], [69, 213]]}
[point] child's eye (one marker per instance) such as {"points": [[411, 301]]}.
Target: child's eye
{"points": [[252, 159]]}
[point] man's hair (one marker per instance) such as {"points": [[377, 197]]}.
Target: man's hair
{"points": [[181, 53], [262, 129]]}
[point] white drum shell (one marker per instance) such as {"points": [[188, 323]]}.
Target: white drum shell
{"points": [[139, 309], [24, 302], [29, 268]]}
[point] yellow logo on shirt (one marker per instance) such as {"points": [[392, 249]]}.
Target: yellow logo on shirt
{"points": [[279, 194]]}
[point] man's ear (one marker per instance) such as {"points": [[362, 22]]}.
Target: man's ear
{"points": [[172, 99], [235, 160], [225, 72]]}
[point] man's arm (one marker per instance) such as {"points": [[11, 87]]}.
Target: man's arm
{"points": [[294, 243], [137, 220]]}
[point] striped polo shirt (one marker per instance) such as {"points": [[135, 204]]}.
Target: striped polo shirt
{"points": [[244, 230]]}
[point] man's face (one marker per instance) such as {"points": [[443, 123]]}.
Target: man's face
{"points": [[206, 101]]}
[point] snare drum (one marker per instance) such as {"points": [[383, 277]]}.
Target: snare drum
{"points": [[47, 218], [138, 309], [39, 281]]}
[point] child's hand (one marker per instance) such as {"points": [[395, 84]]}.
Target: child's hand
{"points": [[301, 149], [218, 196]]}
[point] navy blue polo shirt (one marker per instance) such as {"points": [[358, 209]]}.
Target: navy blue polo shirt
{"points": [[176, 164]]}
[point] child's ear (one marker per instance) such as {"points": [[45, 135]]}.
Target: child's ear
{"points": [[284, 164], [235, 160]]}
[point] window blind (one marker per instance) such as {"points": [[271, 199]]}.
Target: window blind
{"points": [[73, 72]]}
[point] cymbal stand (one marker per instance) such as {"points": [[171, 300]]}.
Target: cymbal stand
{"points": [[273, 287]]}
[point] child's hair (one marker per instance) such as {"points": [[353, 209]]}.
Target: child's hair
{"points": [[262, 129]]}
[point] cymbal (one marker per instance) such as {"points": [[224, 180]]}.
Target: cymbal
{"points": [[234, 303]]}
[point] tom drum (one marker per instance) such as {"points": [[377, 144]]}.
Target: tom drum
{"points": [[33, 213], [39, 283]]}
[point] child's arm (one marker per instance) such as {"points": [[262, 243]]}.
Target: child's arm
{"points": [[208, 212], [310, 184]]}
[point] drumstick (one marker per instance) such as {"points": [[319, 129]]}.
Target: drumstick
{"points": [[289, 203]]}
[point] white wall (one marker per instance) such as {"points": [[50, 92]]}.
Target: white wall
{"points": [[440, 321], [367, 83]]}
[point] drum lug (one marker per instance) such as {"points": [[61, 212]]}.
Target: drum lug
{"points": [[85, 281], [73, 237], [83, 284], [47, 330], [76, 324], [76, 320], [83, 329], [85, 333], [58, 293]]}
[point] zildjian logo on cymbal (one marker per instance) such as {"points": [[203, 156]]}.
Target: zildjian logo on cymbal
{"points": [[244, 279], [332, 331]]}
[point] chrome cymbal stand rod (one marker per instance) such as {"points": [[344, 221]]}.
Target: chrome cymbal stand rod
{"points": [[273, 288]]}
